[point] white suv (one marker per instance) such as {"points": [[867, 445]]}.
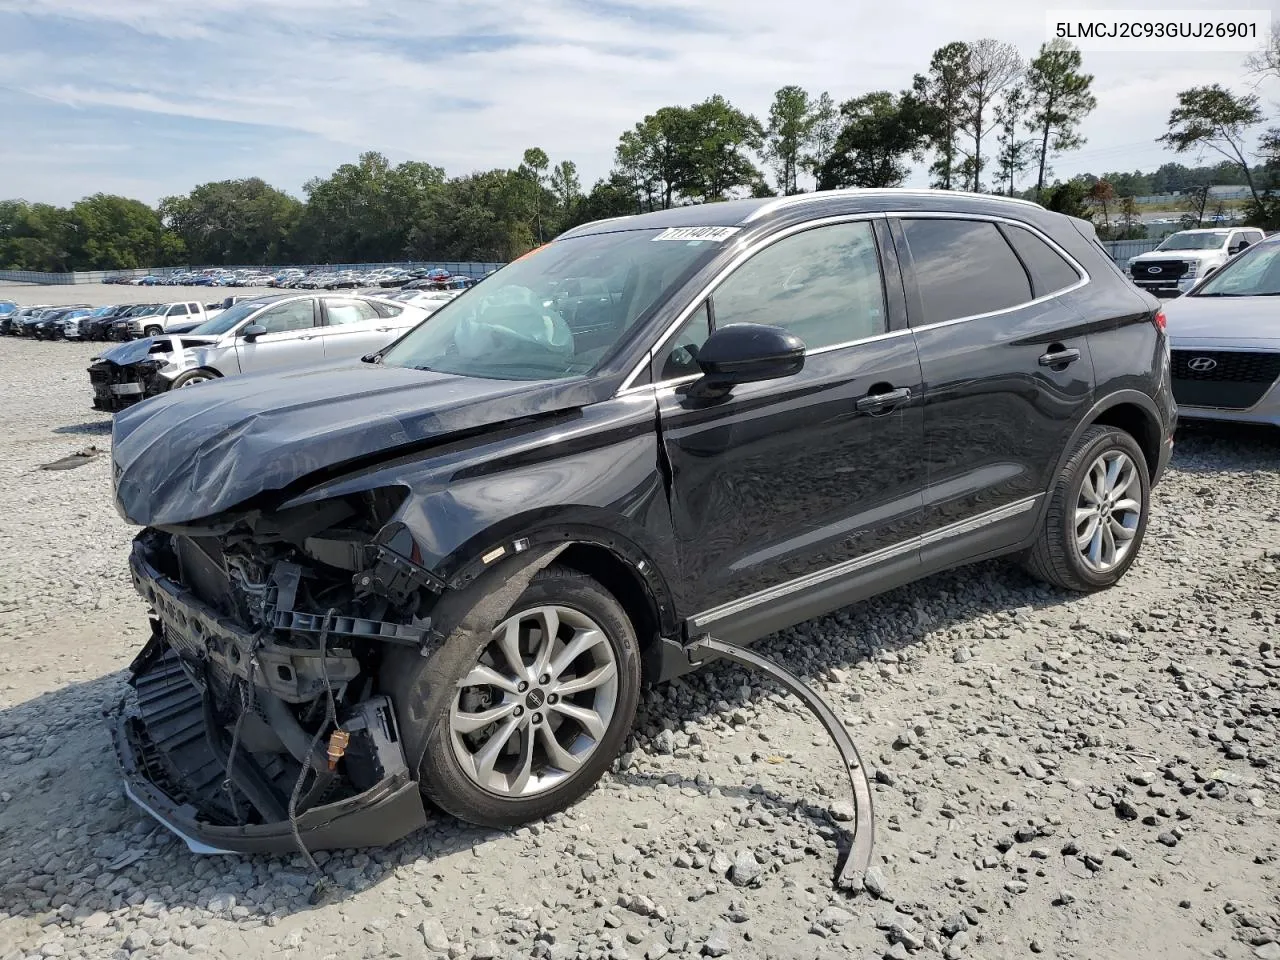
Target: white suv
{"points": [[1184, 259], [258, 335]]}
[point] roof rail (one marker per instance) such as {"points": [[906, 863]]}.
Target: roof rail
{"points": [[591, 223], [781, 203]]}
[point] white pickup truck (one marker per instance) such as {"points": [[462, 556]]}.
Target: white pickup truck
{"points": [[167, 315]]}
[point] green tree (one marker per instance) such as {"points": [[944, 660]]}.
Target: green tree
{"points": [[653, 155], [787, 135], [1213, 117], [1014, 152], [113, 232], [714, 153], [534, 168], [992, 68], [234, 222], [1060, 99], [1101, 195], [566, 186], [1071, 198], [611, 197], [942, 93], [881, 132], [824, 129]]}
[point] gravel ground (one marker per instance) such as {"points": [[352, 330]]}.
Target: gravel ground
{"points": [[1087, 777]]}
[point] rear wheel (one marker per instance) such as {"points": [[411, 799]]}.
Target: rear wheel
{"points": [[1097, 513], [540, 705]]}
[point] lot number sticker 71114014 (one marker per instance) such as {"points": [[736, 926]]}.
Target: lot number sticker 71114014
{"points": [[697, 233]]}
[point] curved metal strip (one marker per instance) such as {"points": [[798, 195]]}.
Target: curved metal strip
{"points": [[858, 858]]}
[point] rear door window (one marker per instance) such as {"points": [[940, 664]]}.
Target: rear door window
{"points": [[1049, 270], [964, 268], [343, 312]]}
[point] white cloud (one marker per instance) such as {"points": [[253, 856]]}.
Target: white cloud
{"points": [[568, 75]]}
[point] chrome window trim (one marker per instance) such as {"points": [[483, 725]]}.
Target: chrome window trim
{"points": [[819, 577], [629, 386], [992, 218], [745, 254]]}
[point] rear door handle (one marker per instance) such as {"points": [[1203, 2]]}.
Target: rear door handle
{"points": [[309, 336], [880, 401], [1059, 358]]}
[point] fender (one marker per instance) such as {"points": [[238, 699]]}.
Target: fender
{"points": [[1111, 400], [486, 550]]}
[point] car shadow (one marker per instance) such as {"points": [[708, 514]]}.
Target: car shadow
{"points": [[58, 767], [1203, 447], [96, 428]]}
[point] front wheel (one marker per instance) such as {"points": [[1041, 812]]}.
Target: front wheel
{"points": [[191, 378], [1097, 513], [540, 705], [152, 331]]}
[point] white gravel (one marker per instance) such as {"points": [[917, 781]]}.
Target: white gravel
{"points": [[1088, 777]]}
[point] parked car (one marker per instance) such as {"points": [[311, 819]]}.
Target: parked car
{"points": [[158, 321], [1225, 338], [123, 326], [77, 325], [15, 325], [263, 334], [1184, 259], [48, 326], [97, 325], [448, 561]]}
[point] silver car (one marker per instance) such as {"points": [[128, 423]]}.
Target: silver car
{"points": [[253, 336], [1225, 341]]}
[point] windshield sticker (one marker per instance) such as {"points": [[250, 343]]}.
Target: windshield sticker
{"points": [[697, 233]]}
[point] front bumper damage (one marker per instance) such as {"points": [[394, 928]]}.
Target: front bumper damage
{"points": [[173, 736], [117, 386], [213, 738]]}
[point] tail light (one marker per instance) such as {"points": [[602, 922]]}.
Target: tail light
{"points": [[1158, 319]]}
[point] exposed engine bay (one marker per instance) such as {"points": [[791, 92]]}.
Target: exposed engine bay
{"points": [[257, 704]]}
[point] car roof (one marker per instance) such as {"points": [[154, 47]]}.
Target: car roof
{"points": [[740, 213]]}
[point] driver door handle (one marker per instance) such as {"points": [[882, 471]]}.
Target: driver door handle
{"points": [[1059, 357], [309, 336], [881, 401]]}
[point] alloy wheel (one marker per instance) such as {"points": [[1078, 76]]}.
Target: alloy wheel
{"points": [[192, 381], [537, 703], [1108, 510]]}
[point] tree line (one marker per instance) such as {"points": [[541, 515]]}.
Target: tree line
{"points": [[980, 117]]}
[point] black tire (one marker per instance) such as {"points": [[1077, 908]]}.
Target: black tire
{"points": [[441, 776], [197, 374], [1056, 558], [153, 331]]}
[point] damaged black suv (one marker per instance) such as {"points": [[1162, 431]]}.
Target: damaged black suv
{"points": [[441, 572]]}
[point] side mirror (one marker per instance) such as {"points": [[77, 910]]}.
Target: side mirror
{"points": [[253, 331], [746, 353]]}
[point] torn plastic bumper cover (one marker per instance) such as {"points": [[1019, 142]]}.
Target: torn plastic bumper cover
{"points": [[181, 764]]}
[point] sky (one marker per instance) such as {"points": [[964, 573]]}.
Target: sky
{"points": [[149, 98]]}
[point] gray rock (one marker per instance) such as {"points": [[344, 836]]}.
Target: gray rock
{"points": [[433, 935], [745, 870], [716, 945]]}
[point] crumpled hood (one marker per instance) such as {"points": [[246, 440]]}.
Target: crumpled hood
{"points": [[191, 454], [1229, 321], [132, 351]]}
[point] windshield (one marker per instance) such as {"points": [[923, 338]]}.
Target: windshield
{"points": [[1194, 241], [522, 324], [228, 318], [1255, 273]]}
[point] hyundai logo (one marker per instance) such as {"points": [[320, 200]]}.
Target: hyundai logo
{"points": [[1202, 364], [1154, 270]]}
